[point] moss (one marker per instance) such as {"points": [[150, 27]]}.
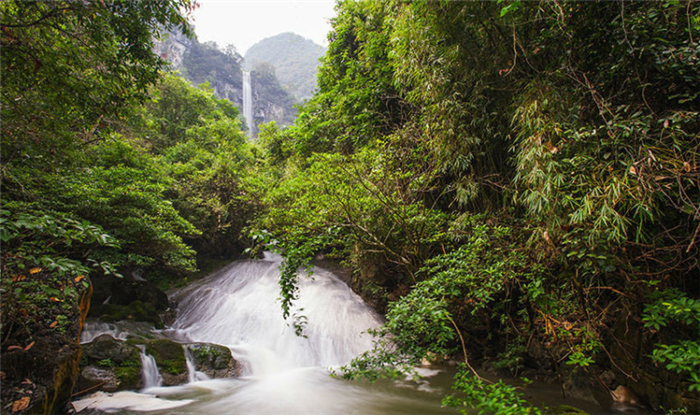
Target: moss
{"points": [[129, 377], [211, 356], [169, 356]]}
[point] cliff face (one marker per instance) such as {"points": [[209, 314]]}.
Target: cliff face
{"points": [[270, 100], [173, 48], [221, 69]]}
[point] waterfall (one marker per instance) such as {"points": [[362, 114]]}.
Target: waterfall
{"points": [[239, 308], [193, 375], [151, 376], [92, 330], [282, 373], [248, 102]]}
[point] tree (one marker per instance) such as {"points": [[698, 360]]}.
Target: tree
{"points": [[76, 197], [69, 68], [562, 136]]}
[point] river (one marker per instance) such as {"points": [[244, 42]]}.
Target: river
{"points": [[282, 373]]}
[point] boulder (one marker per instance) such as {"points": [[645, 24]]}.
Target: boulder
{"points": [[106, 347], [93, 378], [170, 359], [213, 360], [109, 365]]}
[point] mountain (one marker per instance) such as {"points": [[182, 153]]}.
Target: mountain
{"points": [[206, 62], [294, 58]]}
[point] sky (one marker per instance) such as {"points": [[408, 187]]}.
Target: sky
{"points": [[243, 23]]}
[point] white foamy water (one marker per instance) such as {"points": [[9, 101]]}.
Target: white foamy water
{"points": [[240, 308], [283, 373], [151, 376], [248, 102]]}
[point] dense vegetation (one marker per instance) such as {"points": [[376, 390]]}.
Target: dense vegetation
{"points": [[517, 182], [512, 182], [108, 166], [206, 62], [294, 58]]}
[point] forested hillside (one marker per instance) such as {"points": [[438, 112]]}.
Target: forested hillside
{"points": [[514, 183], [294, 58]]}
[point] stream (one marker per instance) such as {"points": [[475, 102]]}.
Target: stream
{"points": [[282, 373]]}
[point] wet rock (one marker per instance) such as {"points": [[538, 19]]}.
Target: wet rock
{"points": [[623, 394], [106, 347], [109, 365], [133, 298], [94, 378], [565, 410], [213, 360], [170, 359]]}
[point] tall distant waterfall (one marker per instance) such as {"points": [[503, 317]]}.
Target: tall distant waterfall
{"points": [[248, 102]]}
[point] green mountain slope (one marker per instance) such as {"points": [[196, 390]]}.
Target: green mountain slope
{"points": [[294, 58]]}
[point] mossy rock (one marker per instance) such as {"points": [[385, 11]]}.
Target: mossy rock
{"points": [[129, 378], [109, 365], [135, 311], [213, 360], [565, 410], [107, 348], [211, 356], [170, 359]]}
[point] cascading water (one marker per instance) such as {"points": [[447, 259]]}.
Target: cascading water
{"points": [[240, 310], [192, 374], [248, 102], [282, 373], [120, 330], [151, 376]]}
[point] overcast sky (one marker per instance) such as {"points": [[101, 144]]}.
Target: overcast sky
{"points": [[242, 23]]}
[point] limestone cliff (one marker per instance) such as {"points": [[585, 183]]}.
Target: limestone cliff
{"points": [[221, 68]]}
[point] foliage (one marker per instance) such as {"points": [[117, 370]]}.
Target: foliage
{"points": [[464, 286], [476, 161], [488, 398], [71, 67], [206, 62], [684, 356], [108, 164], [205, 156], [355, 95], [44, 270]]}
